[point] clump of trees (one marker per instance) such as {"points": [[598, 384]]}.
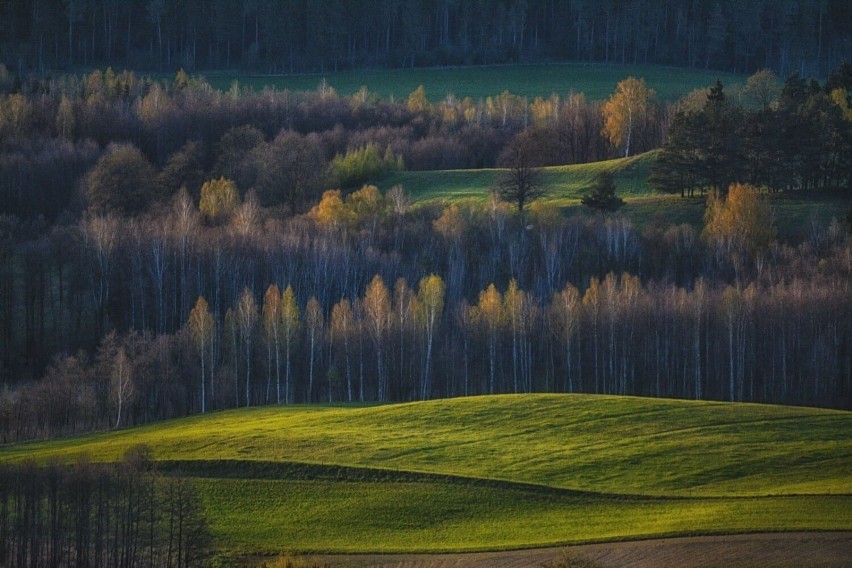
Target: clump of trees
{"points": [[363, 298], [121, 143], [235, 277], [795, 136], [87, 514]]}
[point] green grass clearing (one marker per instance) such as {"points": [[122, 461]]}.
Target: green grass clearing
{"points": [[597, 80]]}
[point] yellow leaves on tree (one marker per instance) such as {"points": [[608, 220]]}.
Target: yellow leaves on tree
{"points": [[628, 107], [365, 207], [202, 327], [451, 224], [742, 220], [417, 101], [219, 199]]}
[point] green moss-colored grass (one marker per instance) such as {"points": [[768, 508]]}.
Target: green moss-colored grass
{"points": [[496, 471], [597, 81], [795, 214], [270, 516], [615, 445]]}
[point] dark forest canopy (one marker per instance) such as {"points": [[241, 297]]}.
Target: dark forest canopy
{"points": [[287, 36]]}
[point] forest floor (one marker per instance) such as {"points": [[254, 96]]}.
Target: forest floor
{"points": [[774, 550]]}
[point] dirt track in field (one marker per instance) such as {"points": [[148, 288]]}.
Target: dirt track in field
{"points": [[778, 550]]}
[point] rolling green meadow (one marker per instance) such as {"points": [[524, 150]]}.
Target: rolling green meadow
{"points": [[494, 472], [184, 197], [596, 80], [794, 213]]}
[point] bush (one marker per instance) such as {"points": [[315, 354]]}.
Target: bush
{"points": [[122, 181], [364, 164]]}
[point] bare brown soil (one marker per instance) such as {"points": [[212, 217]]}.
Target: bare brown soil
{"points": [[777, 550]]}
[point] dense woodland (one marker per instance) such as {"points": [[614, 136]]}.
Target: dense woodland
{"points": [[289, 36], [86, 514], [167, 249]]}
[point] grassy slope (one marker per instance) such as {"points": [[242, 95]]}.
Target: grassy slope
{"points": [[601, 444], [269, 515], [597, 81], [566, 184], [693, 467], [794, 213]]}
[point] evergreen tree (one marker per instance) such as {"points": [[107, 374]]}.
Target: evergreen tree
{"points": [[601, 195]]}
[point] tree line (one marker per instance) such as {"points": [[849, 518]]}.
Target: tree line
{"points": [[363, 298], [792, 136], [295, 36], [86, 514], [120, 142]]}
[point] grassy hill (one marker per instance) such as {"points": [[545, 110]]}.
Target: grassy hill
{"points": [[497, 472], [794, 213], [596, 80], [566, 184]]}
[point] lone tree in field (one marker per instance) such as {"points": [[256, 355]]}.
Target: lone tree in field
{"points": [[602, 194], [628, 107], [522, 181]]}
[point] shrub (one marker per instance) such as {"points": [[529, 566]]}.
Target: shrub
{"points": [[219, 199], [364, 164]]}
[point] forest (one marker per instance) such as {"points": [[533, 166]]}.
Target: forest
{"points": [[167, 249], [86, 514], [298, 36]]}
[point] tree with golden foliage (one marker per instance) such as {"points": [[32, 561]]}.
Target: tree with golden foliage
{"points": [[431, 296], [289, 311], [330, 212], [246, 319], [219, 199], [201, 328], [314, 322], [377, 312], [629, 106], [742, 221], [564, 317], [488, 316], [272, 332], [417, 101]]}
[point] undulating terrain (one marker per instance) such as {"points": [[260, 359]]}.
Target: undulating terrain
{"points": [[494, 472]]}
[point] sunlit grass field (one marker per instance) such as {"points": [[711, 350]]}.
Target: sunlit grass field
{"points": [[496, 472], [565, 184], [597, 81], [795, 214]]}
